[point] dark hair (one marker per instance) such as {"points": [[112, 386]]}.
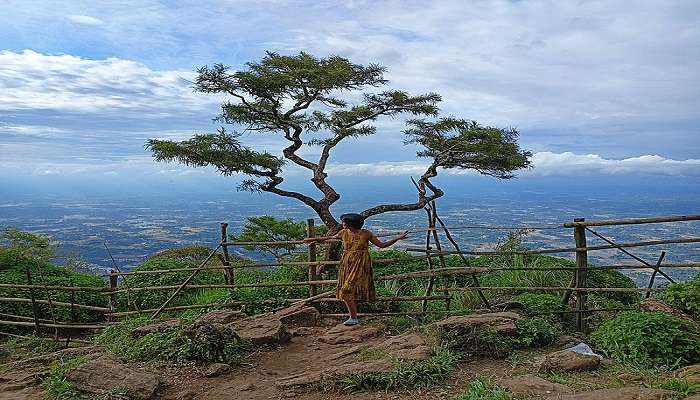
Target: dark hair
{"points": [[353, 220]]}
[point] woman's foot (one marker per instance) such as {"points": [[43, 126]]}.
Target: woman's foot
{"points": [[351, 321]]}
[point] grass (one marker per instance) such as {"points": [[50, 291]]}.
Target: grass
{"points": [[680, 386], [484, 388], [55, 382], [403, 374]]}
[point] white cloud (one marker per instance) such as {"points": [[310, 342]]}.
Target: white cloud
{"points": [[545, 164], [85, 20], [35, 81]]}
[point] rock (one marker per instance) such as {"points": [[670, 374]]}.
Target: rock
{"points": [[216, 370], [696, 396], [310, 377], [531, 385], [301, 315], [567, 360], [154, 328], [656, 305], [302, 331], [221, 317], [624, 393], [690, 373], [106, 373], [410, 346], [566, 341], [630, 378], [340, 334], [187, 395], [501, 322], [210, 340], [262, 329]]}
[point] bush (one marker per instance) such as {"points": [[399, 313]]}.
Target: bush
{"points": [[684, 296], [648, 340], [171, 346], [538, 303]]}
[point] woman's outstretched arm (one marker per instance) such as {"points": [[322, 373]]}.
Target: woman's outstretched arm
{"points": [[375, 241], [319, 239]]}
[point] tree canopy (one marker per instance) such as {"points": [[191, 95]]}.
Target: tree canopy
{"points": [[303, 100]]}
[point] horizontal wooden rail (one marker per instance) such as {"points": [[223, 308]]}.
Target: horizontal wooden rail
{"points": [[436, 253], [223, 286], [64, 340], [176, 308], [24, 318], [63, 288], [634, 221], [553, 288], [59, 326], [378, 299], [55, 303]]}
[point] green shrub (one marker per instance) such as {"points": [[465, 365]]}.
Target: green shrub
{"points": [[55, 382], [647, 340], [484, 388], [684, 296], [539, 303], [681, 386], [171, 346], [536, 332], [422, 373]]}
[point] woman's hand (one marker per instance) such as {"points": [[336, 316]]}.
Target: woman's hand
{"points": [[403, 235], [310, 240]]}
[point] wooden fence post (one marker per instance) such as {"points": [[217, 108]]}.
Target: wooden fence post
{"points": [[35, 310], [113, 296], [311, 232], [581, 270], [226, 261]]}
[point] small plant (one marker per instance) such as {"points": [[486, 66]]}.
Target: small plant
{"points": [[647, 340], [422, 373], [539, 303], [484, 388], [681, 386], [536, 332], [684, 296], [55, 382]]}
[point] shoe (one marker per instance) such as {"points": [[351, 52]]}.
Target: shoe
{"points": [[351, 322]]}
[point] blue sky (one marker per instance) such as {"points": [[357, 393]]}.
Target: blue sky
{"points": [[596, 88]]}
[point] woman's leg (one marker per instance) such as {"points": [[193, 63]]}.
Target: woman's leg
{"points": [[352, 308]]}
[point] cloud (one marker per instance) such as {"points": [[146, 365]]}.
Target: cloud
{"points": [[85, 20], [545, 164], [66, 83]]}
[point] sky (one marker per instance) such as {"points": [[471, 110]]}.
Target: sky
{"points": [[605, 89]]}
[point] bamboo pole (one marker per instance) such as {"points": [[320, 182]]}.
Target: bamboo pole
{"points": [[653, 275], [60, 326], [56, 303], [634, 221], [581, 272], [656, 269], [226, 261], [186, 282], [380, 299], [554, 289], [35, 310], [113, 285], [429, 286], [176, 308], [563, 249], [30, 337], [239, 286], [311, 233], [50, 287]]}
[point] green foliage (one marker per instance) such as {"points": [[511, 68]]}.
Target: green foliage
{"points": [[684, 296], [681, 386], [35, 344], [647, 340], [539, 303], [536, 332], [269, 229], [484, 388], [171, 346], [55, 382], [422, 373]]}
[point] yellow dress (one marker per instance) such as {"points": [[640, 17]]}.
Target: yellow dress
{"points": [[355, 276]]}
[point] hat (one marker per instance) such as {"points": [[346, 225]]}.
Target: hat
{"points": [[353, 220]]}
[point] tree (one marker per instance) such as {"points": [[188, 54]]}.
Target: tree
{"points": [[299, 99], [266, 228]]}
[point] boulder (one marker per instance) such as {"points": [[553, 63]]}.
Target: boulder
{"points": [[624, 393], [221, 317], [567, 360], [531, 385], [409, 346], [341, 334], [262, 329], [216, 370], [656, 305], [154, 328], [501, 322], [299, 316], [106, 373], [690, 373], [315, 376]]}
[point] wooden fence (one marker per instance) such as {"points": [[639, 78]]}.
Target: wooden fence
{"points": [[434, 255]]}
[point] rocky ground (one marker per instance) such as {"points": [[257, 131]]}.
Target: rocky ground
{"points": [[297, 352]]}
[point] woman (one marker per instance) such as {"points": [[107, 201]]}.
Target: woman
{"points": [[355, 276]]}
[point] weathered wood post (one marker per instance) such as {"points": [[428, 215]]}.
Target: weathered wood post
{"points": [[443, 265], [35, 310], [311, 232], [113, 296], [226, 261], [581, 270]]}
